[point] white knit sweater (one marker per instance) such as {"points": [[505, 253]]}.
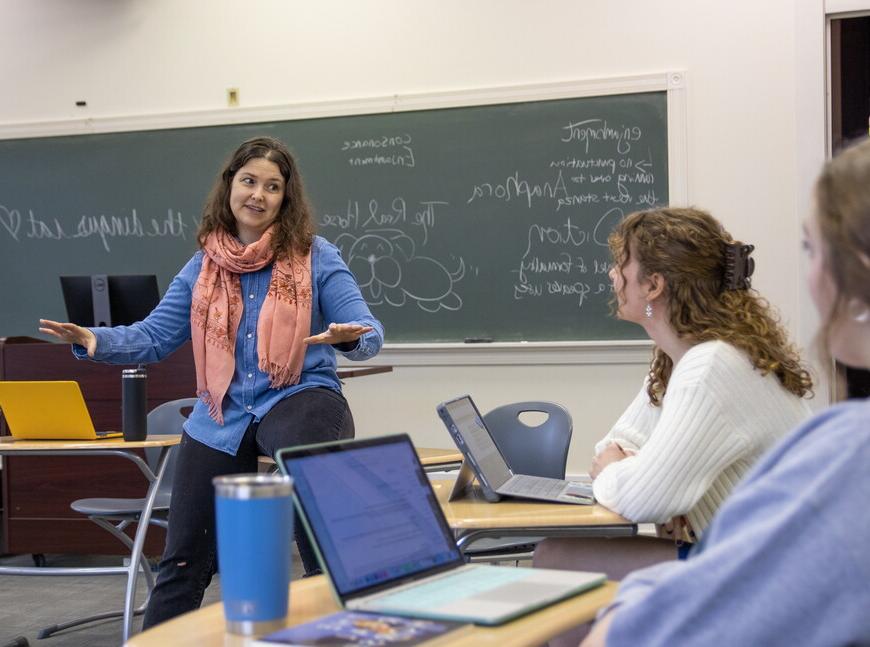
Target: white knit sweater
{"points": [[718, 416]]}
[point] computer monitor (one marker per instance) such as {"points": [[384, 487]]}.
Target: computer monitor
{"points": [[101, 300]]}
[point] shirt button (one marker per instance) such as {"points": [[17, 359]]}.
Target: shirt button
{"points": [[250, 296], [250, 406], [249, 335], [250, 375]]}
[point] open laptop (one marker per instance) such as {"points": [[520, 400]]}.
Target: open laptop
{"points": [[385, 544], [48, 410], [484, 460]]}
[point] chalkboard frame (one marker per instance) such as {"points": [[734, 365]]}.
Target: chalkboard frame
{"points": [[672, 83]]}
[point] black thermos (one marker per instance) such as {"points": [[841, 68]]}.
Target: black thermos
{"points": [[134, 402]]}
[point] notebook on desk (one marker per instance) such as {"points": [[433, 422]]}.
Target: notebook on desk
{"points": [[385, 544], [483, 460], [48, 410]]}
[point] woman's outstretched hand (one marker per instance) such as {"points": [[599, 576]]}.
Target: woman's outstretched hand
{"points": [[70, 333], [339, 334]]}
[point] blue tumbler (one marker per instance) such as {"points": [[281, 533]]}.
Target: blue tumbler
{"points": [[254, 515]]}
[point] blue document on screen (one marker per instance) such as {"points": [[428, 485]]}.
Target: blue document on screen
{"points": [[386, 546]]}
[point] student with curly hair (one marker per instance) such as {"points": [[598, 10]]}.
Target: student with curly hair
{"points": [[785, 561], [724, 385]]}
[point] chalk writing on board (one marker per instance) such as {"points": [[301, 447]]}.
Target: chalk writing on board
{"points": [[600, 175], [383, 150], [513, 187], [389, 271], [594, 130], [421, 216], [508, 207], [378, 242], [10, 220], [106, 228], [545, 269]]}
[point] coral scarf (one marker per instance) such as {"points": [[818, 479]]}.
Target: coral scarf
{"points": [[216, 311]]}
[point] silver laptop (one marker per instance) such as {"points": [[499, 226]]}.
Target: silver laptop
{"points": [[385, 544], [484, 460]]}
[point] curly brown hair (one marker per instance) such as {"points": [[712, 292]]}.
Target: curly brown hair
{"points": [[295, 218], [687, 248]]}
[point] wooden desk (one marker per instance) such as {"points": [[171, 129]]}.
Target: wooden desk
{"points": [[345, 372], [311, 598], [433, 460], [37, 489], [11, 446], [439, 459], [473, 518], [113, 447]]}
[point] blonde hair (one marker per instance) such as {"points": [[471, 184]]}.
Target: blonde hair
{"points": [[687, 247], [843, 214]]}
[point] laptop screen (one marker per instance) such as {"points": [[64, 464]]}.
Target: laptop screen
{"points": [[468, 422], [372, 511]]}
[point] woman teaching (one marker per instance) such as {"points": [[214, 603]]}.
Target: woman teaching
{"points": [[266, 303]]}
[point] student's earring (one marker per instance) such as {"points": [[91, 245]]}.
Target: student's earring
{"points": [[648, 311], [858, 311]]}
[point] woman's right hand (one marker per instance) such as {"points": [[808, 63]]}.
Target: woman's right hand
{"points": [[610, 454], [70, 333]]}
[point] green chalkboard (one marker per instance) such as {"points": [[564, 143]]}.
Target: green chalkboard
{"points": [[471, 222]]}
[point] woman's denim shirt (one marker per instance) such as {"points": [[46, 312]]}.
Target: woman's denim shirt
{"points": [[336, 298]]}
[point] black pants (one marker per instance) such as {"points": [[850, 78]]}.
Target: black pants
{"points": [[190, 558]]}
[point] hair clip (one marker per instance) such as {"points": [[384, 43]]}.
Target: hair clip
{"points": [[739, 266]]}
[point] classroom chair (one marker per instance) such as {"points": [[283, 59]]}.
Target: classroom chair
{"points": [[115, 514], [539, 450]]}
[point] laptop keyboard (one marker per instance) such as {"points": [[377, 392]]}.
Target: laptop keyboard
{"points": [[533, 486], [446, 589]]}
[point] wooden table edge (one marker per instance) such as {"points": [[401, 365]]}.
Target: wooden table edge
{"points": [[317, 601], [12, 444]]}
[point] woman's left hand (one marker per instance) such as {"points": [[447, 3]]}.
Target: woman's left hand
{"points": [[610, 454], [339, 334]]}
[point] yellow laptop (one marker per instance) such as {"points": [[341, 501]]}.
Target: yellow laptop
{"points": [[48, 410]]}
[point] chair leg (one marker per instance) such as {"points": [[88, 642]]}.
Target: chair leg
{"points": [[120, 535], [139, 541], [136, 555], [45, 632]]}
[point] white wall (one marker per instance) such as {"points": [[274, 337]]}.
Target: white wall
{"points": [[748, 104]]}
